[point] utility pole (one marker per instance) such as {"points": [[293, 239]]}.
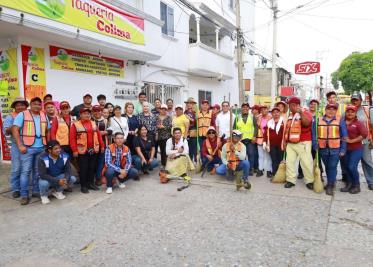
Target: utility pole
{"points": [[240, 44], [274, 7]]}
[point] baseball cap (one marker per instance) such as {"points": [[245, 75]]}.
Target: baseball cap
{"points": [[48, 103], [236, 133], [64, 104], [245, 104], [328, 106], [164, 106], [87, 95], [205, 101], [216, 106], [257, 107], [52, 144], [178, 106], [82, 110], [356, 95], [275, 108], [294, 100], [96, 108], [351, 107]]}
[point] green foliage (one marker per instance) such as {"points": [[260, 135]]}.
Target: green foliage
{"points": [[355, 73]]}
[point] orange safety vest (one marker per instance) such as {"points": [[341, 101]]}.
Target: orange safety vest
{"points": [[81, 137], [63, 131], [260, 135], [123, 160], [204, 122], [293, 130], [328, 134], [228, 149], [29, 131], [209, 147]]}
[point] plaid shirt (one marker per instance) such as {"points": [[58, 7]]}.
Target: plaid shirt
{"points": [[118, 155]]}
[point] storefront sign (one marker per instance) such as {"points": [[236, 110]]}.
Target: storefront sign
{"points": [[9, 89], [33, 68], [307, 68], [93, 15], [71, 60]]}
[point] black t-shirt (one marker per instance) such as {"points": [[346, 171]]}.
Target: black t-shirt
{"points": [[145, 146]]}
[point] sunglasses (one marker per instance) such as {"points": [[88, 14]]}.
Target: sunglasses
{"points": [[211, 132]]}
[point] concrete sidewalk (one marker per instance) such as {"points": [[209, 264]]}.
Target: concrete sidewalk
{"points": [[208, 224]]}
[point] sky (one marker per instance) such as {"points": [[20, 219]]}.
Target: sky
{"points": [[326, 30]]}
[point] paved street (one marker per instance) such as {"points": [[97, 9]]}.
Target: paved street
{"points": [[208, 224]]}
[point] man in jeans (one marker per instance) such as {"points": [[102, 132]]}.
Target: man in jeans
{"points": [[364, 116], [19, 105], [30, 130], [246, 124], [118, 163], [54, 172]]}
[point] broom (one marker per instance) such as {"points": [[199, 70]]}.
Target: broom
{"points": [[198, 165], [318, 185]]}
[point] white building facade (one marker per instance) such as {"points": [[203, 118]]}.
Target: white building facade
{"points": [[186, 48]]}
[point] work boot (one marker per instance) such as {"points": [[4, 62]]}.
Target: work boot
{"points": [[259, 174], [16, 194], [24, 200], [355, 189], [84, 190], [329, 190], [251, 172], [269, 175], [289, 185], [238, 179], [93, 187], [346, 188], [309, 186]]}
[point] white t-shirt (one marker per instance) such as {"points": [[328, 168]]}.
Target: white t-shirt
{"points": [[222, 121], [119, 125]]}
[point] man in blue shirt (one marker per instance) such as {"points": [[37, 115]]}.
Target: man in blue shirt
{"points": [[118, 163], [30, 131], [19, 105], [54, 172]]}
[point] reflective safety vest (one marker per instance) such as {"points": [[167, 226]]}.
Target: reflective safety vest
{"points": [[229, 152], [63, 131], [293, 130], [328, 134], [246, 128], [82, 137], [210, 150], [29, 132], [204, 122], [260, 134], [123, 159]]}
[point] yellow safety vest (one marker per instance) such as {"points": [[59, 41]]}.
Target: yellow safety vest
{"points": [[247, 129]]}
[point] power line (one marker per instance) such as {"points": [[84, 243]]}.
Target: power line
{"points": [[334, 17]]}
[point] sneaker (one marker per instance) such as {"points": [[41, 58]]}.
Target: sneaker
{"points": [[109, 190], [259, 174], [58, 195], [24, 200], [45, 200], [122, 185]]}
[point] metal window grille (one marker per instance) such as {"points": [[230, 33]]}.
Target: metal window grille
{"points": [[163, 92]]}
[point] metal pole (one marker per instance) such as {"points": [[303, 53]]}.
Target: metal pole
{"points": [[274, 53], [239, 54]]}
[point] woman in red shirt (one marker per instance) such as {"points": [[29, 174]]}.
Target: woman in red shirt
{"points": [[356, 133], [273, 135]]}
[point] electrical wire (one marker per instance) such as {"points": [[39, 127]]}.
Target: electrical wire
{"points": [[333, 17]]}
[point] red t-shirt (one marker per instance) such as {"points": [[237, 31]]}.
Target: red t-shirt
{"points": [[275, 139], [355, 129]]}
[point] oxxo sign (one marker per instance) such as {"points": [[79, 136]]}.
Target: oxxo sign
{"points": [[307, 68]]}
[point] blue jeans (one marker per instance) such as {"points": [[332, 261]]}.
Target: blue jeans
{"points": [[44, 185], [111, 173], [256, 157], [244, 166], [29, 165], [250, 151], [351, 161], [330, 158], [100, 166], [367, 164], [192, 143], [137, 162], [210, 165], [15, 174]]}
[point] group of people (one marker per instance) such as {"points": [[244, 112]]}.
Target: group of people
{"points": [[108, 145]]}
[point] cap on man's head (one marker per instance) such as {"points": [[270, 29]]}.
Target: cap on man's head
{"points": [[331, 106], [96, 108], [164, 106], [236, 133], [328, 94], [52, 143], [356, 95], [64, 104], [275, 108], [217, 106], [87, 95], [19, 99], [48, 103], [256, 107], [294, 100], [35, 99], [82, 110], [205, 101], [351, 107], [178, 106], [211, 128], [245, 104]]}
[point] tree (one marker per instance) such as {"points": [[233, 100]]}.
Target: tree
{"points": [[355, 73]]}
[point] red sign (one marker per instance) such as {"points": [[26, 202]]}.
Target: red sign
{"points": [[307, 68], [5, 149], [286, 91]]}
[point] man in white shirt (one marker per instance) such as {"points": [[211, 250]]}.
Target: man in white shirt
{"points": [[223, 121]]}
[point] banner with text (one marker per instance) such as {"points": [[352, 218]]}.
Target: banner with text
{"points": [[9, 89], [71, 60], [33, 68], [93, 15]]}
